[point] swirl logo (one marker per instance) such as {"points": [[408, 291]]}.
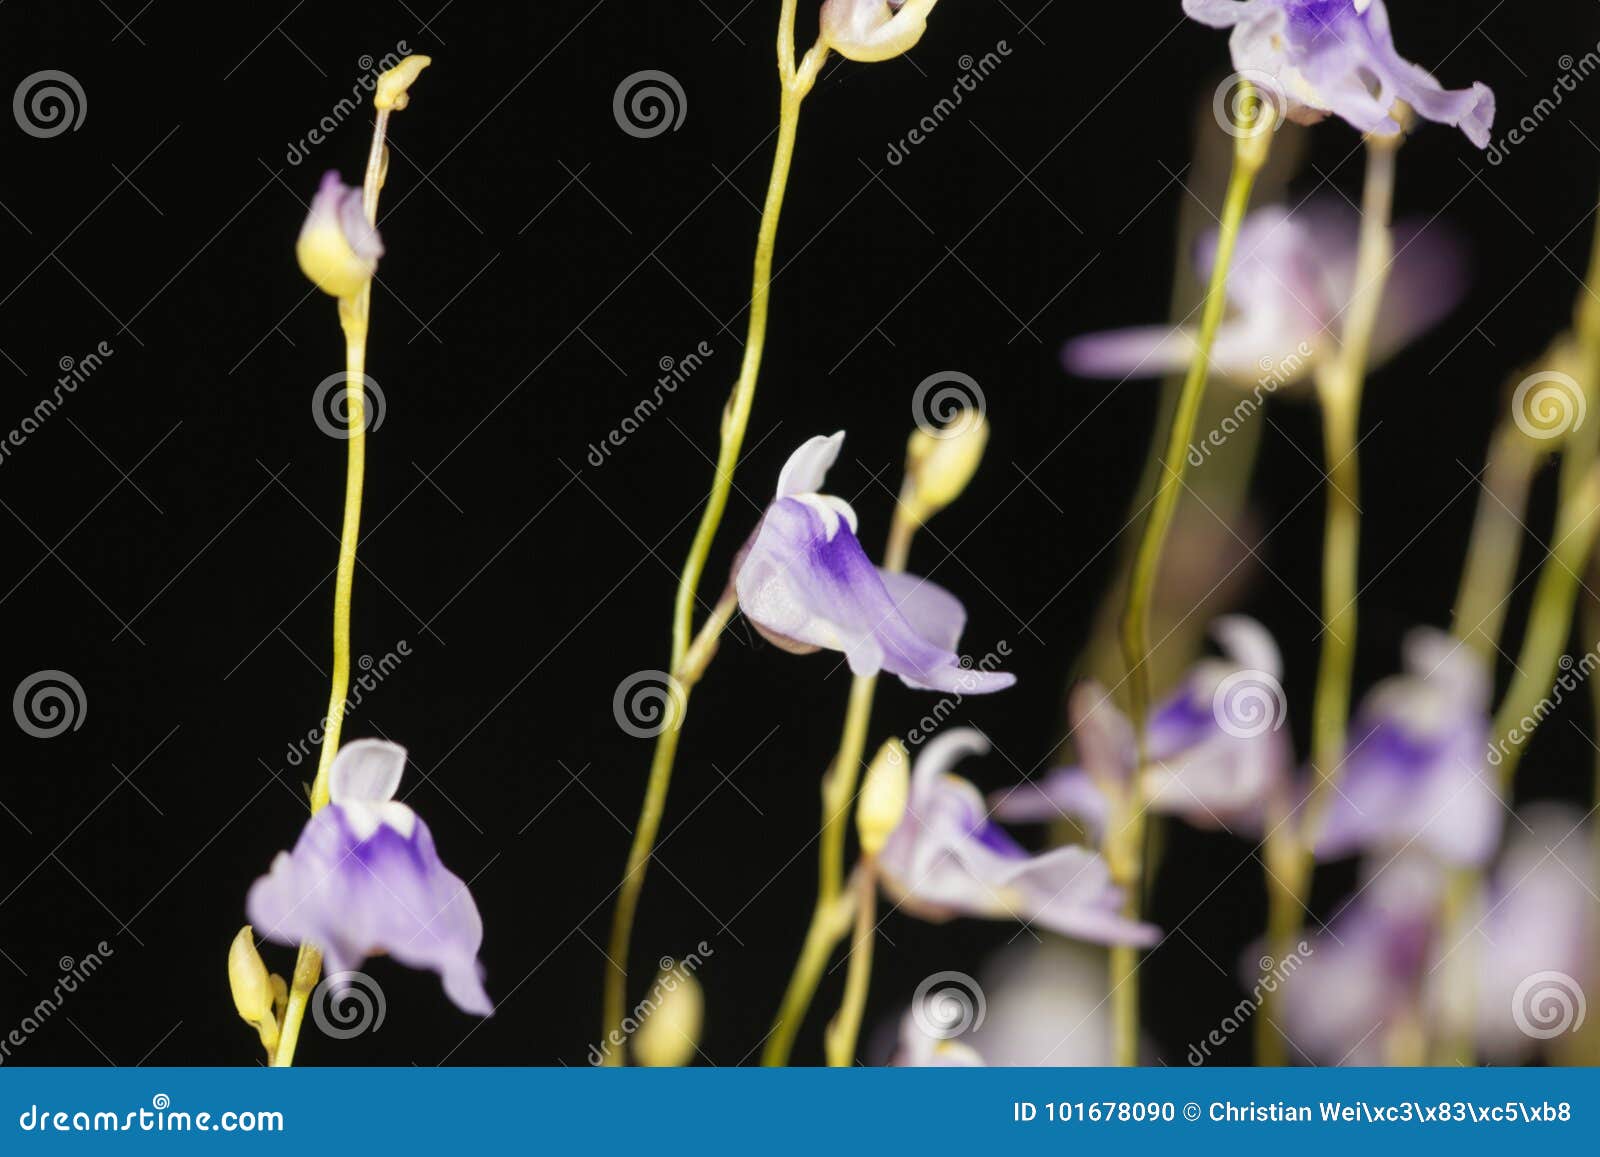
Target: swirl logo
{"points": [[948, 1004], [347, 1004], [49, 103], [1548, 1004], [1249, 103], [48, 703], [161, 1102], [1548, 404], [947, 404], [330, 405], [1249, 703], [649, 103], [647, 703]]}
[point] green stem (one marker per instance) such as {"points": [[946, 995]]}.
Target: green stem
{"points": [[735, 421], [1496, 541], [1250, 154], [845, 1028]]}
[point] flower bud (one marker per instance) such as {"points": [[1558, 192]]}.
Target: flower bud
{"points": [[939, 465], [667, 1038], [254, 991], [883, 797], [338, 248], [392, 85], [872, 30]]}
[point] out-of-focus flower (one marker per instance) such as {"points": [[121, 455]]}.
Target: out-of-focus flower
{"points": [[940, 464], [884, 794], [920, 1049], [1417, 770], [338, 248], [1288, 287], [948, 859], [805, 582], [1216, 750], [1338, 56], [364, 878], [873, 30], [670, 1036]]}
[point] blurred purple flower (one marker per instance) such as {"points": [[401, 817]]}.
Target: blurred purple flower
{"points": [[947, 859], [1217, 749], [338, 248], [1287, 289], [1338, 56], [1417, 767], [364, 878], [805, 582]]}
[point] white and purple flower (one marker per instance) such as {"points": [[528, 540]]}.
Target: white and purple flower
{"points": [[873, 30], [1287, 291], [1417, 766], [364, 878], [806, 584], [1216, 749], [948, 859], [1338, 56], [338, 247]]}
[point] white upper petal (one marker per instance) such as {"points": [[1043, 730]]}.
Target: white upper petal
{"points": [[807, 468], [367, 771]]}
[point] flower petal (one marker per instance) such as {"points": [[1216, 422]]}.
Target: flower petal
{"points": [[366, 771], [807, 468]]}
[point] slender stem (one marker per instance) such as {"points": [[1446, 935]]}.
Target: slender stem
{"points": [[845, 1028], [1496, 540], [1250, 155], [354, 316]]}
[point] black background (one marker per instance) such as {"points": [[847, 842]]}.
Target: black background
{"points": [[540, 264]]}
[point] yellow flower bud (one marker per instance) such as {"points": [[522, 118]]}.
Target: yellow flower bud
{"points": [[392, 85], [940, 464], [667, 1038], [254, 991], [883, 797], [873, 30], [338, 248]]}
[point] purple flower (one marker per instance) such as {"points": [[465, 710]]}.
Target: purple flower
{"points": [[338, 247], [1216, 748], [805, 582], [364, 878], [1338, 56], [948, 859], [1417, 767], [1287, 291]]}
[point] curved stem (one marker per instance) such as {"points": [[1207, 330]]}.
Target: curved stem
{"points": [[845, 1029], [1496, 541], [1250, 155]]}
